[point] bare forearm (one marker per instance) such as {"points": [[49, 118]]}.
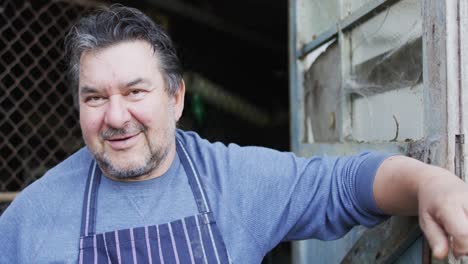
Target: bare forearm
{"points": [[397, 183], [404, 186]]}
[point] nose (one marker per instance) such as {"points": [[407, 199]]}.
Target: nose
{"points": [[117, 114]]}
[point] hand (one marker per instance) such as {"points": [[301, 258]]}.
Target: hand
{"points": [[443, 212], [405, 186]]}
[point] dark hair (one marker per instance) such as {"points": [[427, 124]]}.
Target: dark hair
{"points": [[115, 24]]}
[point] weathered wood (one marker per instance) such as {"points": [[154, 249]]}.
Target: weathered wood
{"points": [[435, 82], [344, 40], [423, 150], [293, 85], [386, 242], [391, 239], [463, 31], [317, 42], [434, 148], [7, 196], [365, 12], [334, 149], [435, 74], [463, 88], [453, 88]]}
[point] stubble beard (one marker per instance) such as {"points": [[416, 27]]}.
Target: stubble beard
{"points": [[153, 157]]}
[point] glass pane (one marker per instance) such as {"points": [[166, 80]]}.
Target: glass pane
{"points": [[315, 17], [386, 75], [395, 115], [353, 5], [387, 31], [322, 91]]}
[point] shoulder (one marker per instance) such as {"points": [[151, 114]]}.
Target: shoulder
{"points": [[63, 180], [43, 208], [200, 146], [233, 165], [76, 162], [67, 173], [192, 140]]}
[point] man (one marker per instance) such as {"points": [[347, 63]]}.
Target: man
{"points": [[143, 191]]}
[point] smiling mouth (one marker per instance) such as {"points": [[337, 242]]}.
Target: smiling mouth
{"points": [[122, 142], [120, 138]]}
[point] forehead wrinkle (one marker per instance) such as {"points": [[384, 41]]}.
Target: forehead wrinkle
{"points": [[98, 59]]}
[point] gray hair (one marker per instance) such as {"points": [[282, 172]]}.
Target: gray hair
{"points": [[115, 24]]}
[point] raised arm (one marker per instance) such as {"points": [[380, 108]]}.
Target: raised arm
{"points": [[405, 186]]}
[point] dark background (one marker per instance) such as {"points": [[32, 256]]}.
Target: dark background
{"points": [[240, 46]]}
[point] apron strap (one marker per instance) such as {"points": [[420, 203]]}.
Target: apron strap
{"points": [[193, 178], [88, 219]]}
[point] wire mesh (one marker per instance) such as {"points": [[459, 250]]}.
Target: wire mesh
{"points": [[39, 124]]}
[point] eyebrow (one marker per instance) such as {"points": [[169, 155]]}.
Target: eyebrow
{"points": [[88, 90]]}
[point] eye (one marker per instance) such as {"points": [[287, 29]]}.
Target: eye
{"points": [[94, 100], [136, 93]]}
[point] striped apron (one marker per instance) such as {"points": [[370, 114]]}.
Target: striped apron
{"points": [[193, 239]]}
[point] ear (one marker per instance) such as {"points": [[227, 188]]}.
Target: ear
{"points": [[179, 98]]}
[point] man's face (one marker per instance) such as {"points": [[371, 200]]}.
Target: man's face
{"points": [[126, 116]]}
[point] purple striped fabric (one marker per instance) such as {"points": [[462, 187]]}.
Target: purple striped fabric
{"points": [[148, 246], [95, 249], [117, 247], [132, 240], [81, 251], [201, 240], [159, 246], [105, 247], [173, 244], [189, 246]]}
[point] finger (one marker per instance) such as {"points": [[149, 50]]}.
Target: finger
{"points": [[460, 248], [460, 236], [436, 236]]}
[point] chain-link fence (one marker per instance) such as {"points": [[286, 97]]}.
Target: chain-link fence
{"points": [[39, 124]]}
